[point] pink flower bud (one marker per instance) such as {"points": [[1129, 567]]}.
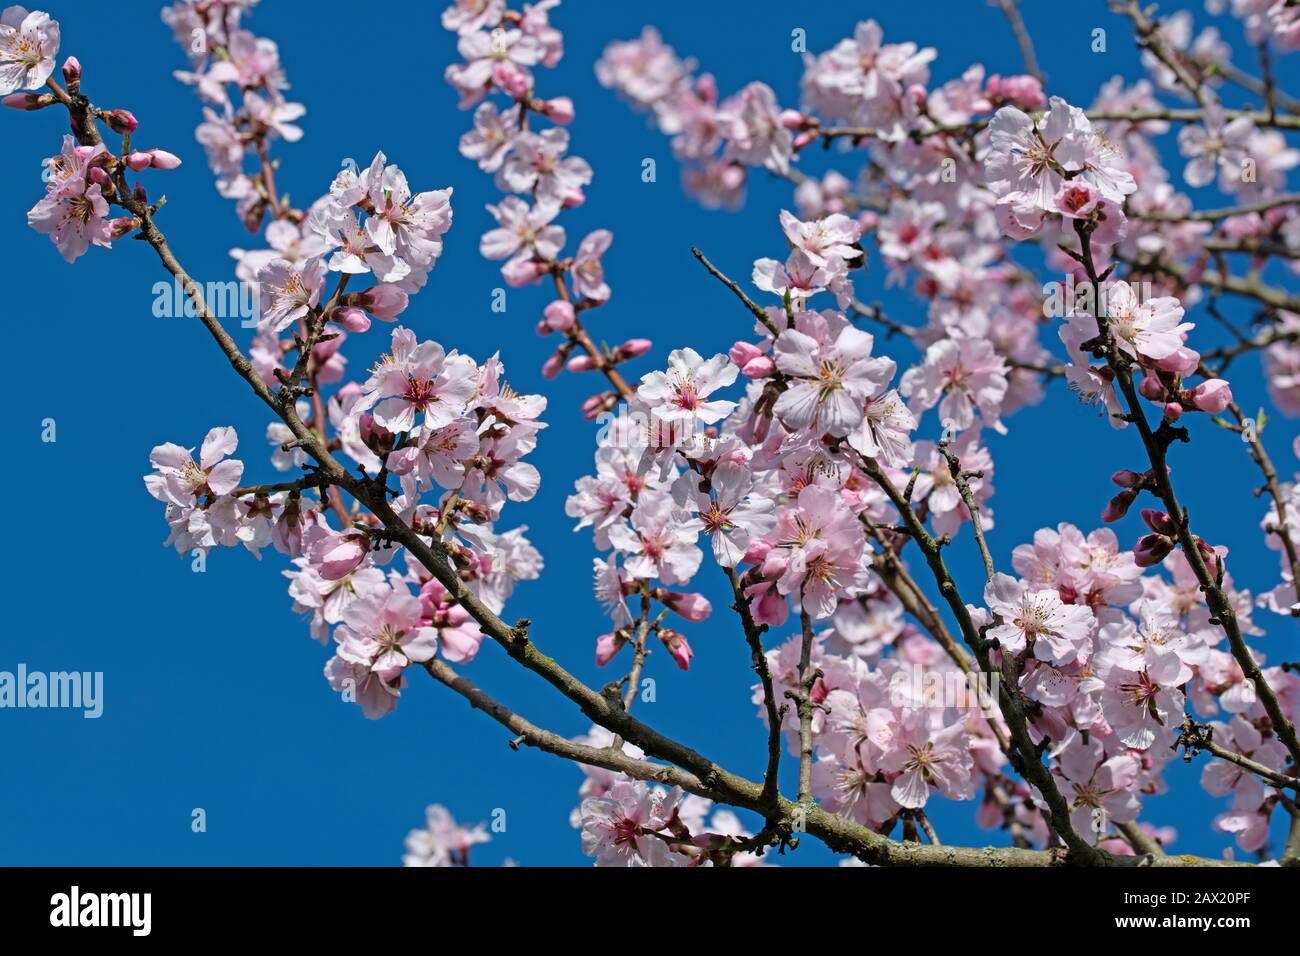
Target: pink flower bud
{"points": [[553, 365], [1126, 478], [375, 436], [634, 347], [72, 71], [607, 646], [743, 352], [581, 363], [1151, 549], [354, 320], [511, 79], [1024, 91], [521, 272], [559, 316], [121, 121], [558, 110], [595, 404], [1152, 388], [1212, 556], [120, 226], [574, 198], [1212, 396], [138, 161], [27, 101], [791, 119], [384, 301], [761, 367], [1159, 522], [692, 606], [163, 159], [543, 328], [457, 615], [677, 647], [1118, 506], [1173, 411], [99, 176], [804, 138]]}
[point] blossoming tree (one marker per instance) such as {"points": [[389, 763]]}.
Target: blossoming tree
{"points": [[829, 489]]}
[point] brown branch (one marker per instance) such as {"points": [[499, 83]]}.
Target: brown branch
{"points": [[1220, 607], [960, 479], [877, 314], [1025, 758], [803, 699], [1139, 840], [756, 310], [758, 661], [1011, 9], [1214, 215]]}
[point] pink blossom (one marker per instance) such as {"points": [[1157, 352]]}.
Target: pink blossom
{"points": [[418, 379], [659, 542], [618, 828], [1039, 621], [588, 275], [443, 842], [179, 480], [336, 555], [679, 397], [28, 43], [287, 292], [830, 382], [961, 377]]}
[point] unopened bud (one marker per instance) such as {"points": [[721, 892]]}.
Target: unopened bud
{"points": [[28, 101], [558, 110], [559, 316], [634, 347], [792, 119], [354, 320], [553, 365], [161, 159], [121, 121], [120, 226], [511, 79], [72, 73], [1152, 388]]}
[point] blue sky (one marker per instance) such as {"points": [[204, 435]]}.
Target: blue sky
{"points": [[214, 694]]}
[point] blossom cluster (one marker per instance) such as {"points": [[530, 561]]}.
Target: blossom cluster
{"points": [[441, 423], [443, 841], [804, 460], [501, 49], [1109, 654], [83, 180], [239, 78]]}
